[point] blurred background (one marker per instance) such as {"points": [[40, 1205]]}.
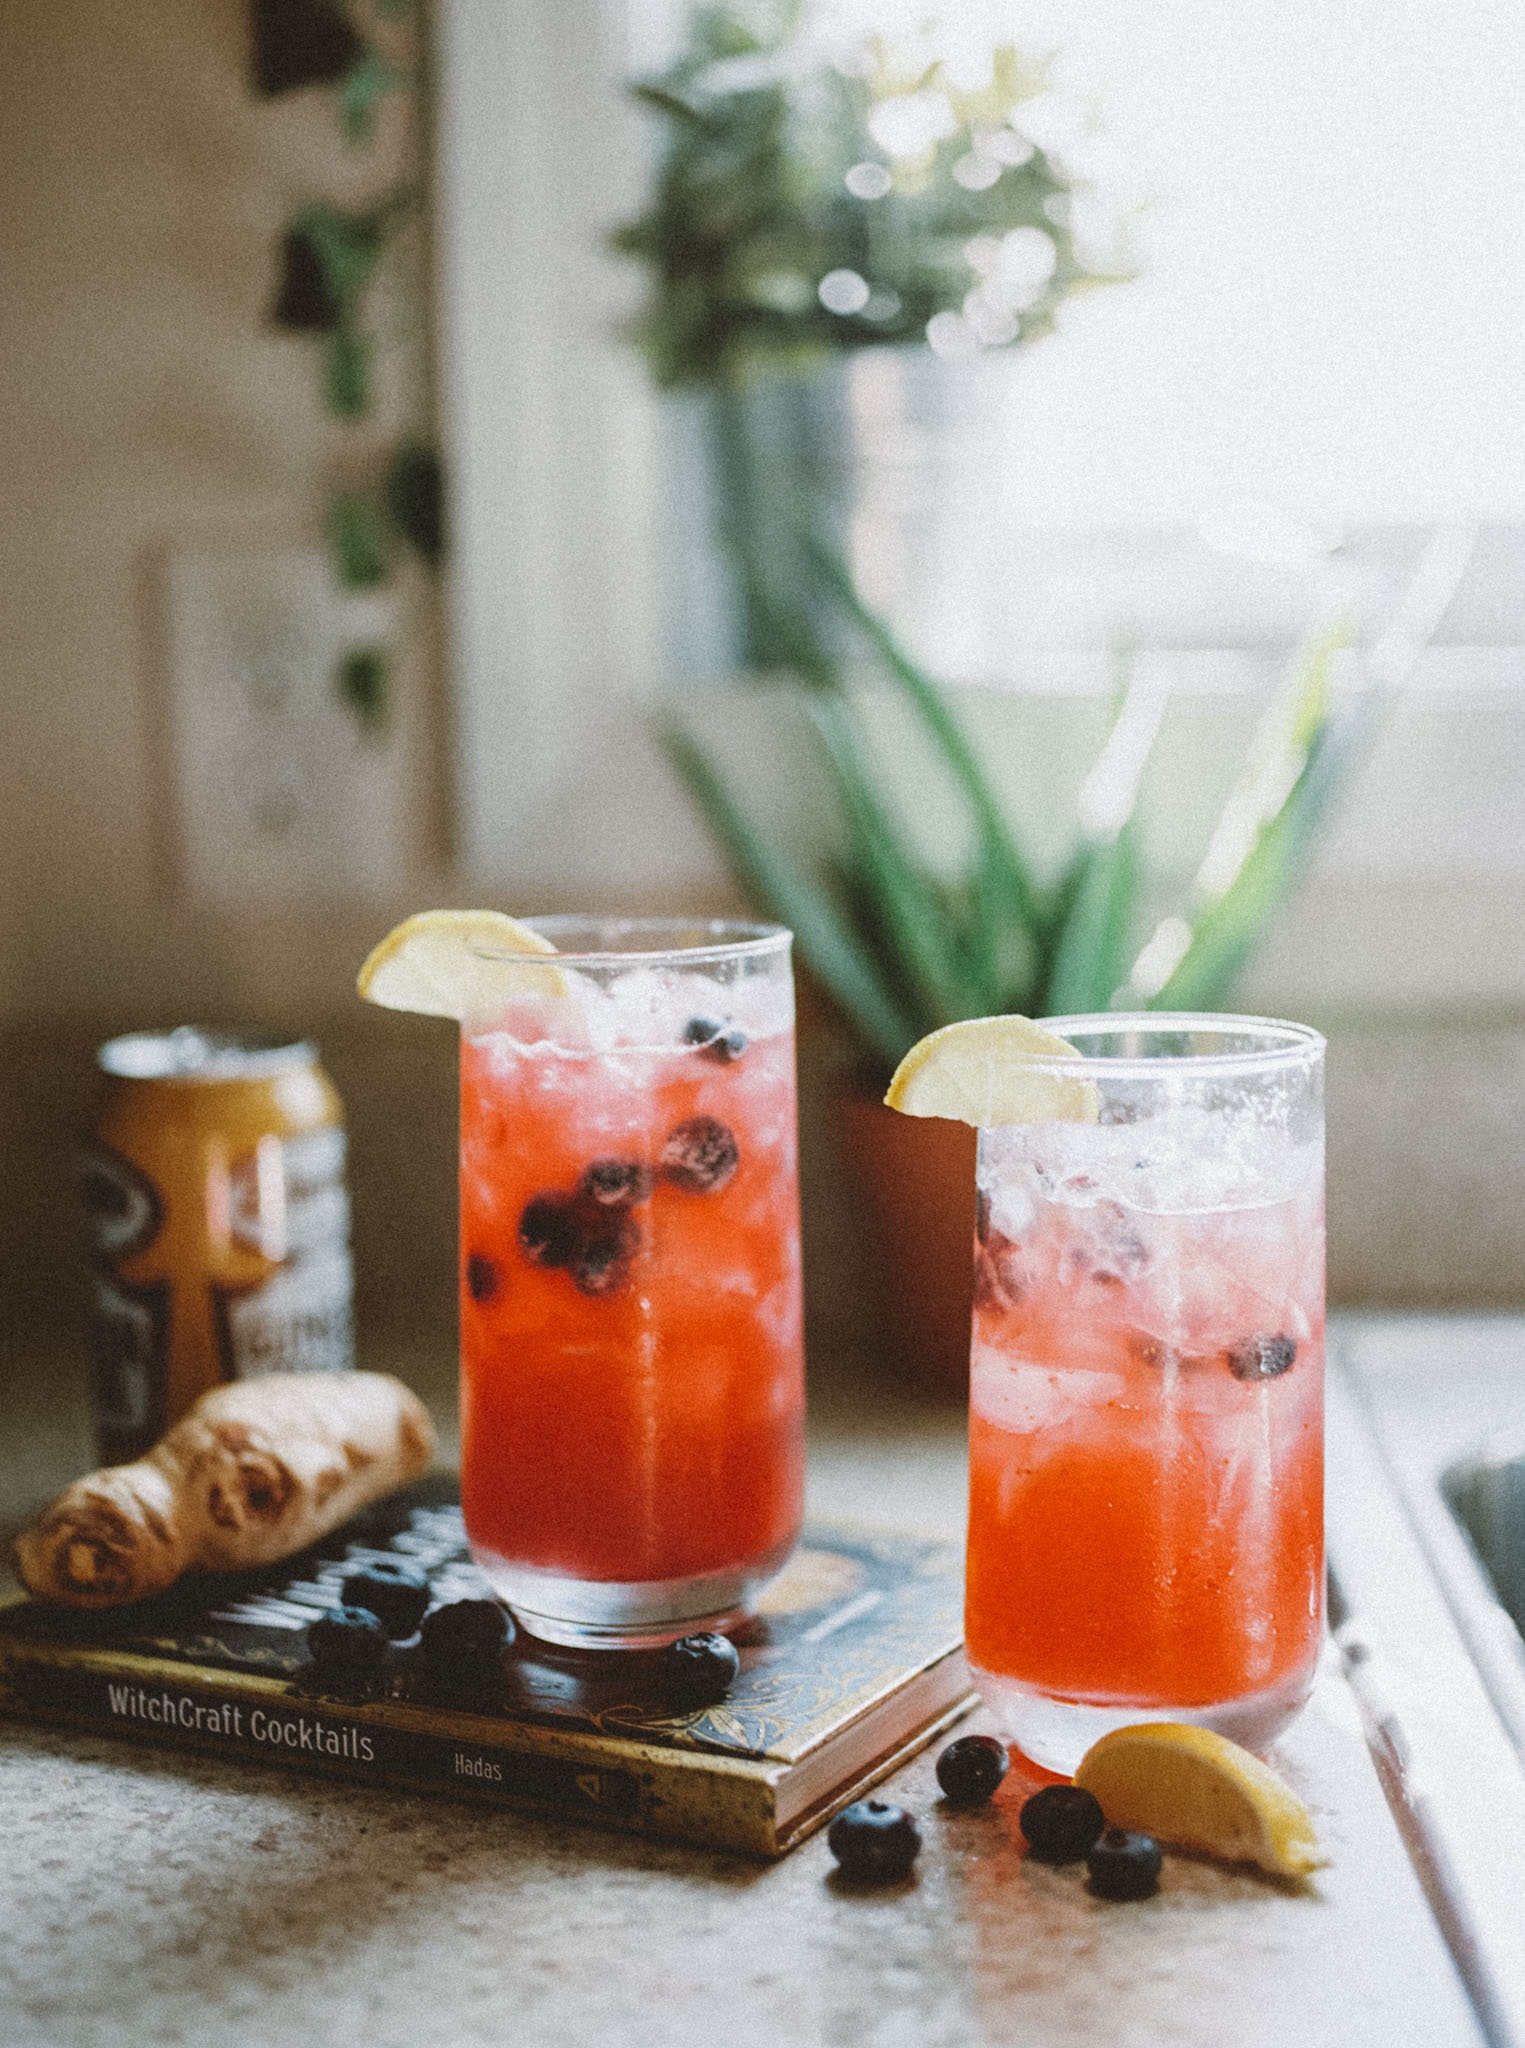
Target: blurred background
{"points": [[436, 472]]}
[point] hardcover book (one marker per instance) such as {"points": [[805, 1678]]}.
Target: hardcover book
{"points": [[853, 1664]]}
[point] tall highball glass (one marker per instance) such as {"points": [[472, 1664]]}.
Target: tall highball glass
{"points": [[632, 1374], [1146, 1388]]}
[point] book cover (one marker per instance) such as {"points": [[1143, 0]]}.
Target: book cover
{"points": [[854, 1662]]}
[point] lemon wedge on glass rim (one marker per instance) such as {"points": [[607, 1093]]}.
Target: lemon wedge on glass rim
{"points": [[1197, 1790], [457, 963], [989, 1071]]}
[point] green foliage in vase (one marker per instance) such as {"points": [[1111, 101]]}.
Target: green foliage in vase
{"points": [[813, 196], [902, 949]]}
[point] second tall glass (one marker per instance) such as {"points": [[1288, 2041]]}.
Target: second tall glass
{"points": [[632, 1370], [1146, 1388]]}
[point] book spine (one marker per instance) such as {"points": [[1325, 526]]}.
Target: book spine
{"points": [[645, 1793]]}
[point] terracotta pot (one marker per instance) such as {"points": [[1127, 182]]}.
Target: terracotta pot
{"points": [[912, 1181]]}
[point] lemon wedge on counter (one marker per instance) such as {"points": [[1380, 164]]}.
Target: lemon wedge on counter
{"points": [[1197, 1790], [453, 963], [987, 1071]]}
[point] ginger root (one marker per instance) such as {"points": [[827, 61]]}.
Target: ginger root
{"points": [[255, 1471]]}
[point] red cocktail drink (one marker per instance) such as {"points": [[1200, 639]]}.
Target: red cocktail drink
{"points": [[1146, 1399], [632, 1390]]}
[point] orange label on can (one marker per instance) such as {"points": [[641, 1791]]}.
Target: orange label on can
{"points": [[217, 1226]]}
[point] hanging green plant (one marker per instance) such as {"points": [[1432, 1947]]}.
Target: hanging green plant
{"points": [[362, 678], [329, 261], [415, 499], [360, 541], [301, 42]]}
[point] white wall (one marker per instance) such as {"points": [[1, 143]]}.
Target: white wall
{"points": [[150, 413]]}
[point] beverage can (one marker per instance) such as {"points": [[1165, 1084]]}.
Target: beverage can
{"points": [[217, 1224]]}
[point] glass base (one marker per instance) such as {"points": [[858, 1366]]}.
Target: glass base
{"points": [[1057, 1733], [618, 1614]]}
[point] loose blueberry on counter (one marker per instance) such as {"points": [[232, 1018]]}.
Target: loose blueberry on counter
{"points": [[716, 1039], [351, 1639], [874, 1842], [1062, 1823], [394, 1589], [465, 1629], [1264, 1357], [970, 1769], [700, 1155], [615, 1183], [1125, 1866], [699, 1670], [548, 1230]]}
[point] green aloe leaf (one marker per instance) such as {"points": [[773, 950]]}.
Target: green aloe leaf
{"points": [[1268, 824], [1226, 932], [670, 103], [828, 944], [1301, 759], [1005, 892], [1093, 908], [906, 904], [1090, 957], [785, 630]]}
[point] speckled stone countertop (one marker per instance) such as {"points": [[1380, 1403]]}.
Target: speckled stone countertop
{"points": [[154, 1897]]}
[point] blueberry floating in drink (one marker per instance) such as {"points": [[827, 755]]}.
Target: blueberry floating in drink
{"points": [[549, 1230], [590, 1232], [874, 1842], [1262, 1357], [394, 1589], [971, 1768], [1062, 1823], [600, 1263], [700, 1155], [999, 1273], [1123, 1865], [699, 1670], [482, 1277], [716, 1038], [615, 1183]]}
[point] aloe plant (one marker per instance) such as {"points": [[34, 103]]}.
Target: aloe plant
{"points": [[901, 949]]}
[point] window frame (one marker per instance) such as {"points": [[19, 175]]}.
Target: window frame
{"points": [[561, 463]]}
